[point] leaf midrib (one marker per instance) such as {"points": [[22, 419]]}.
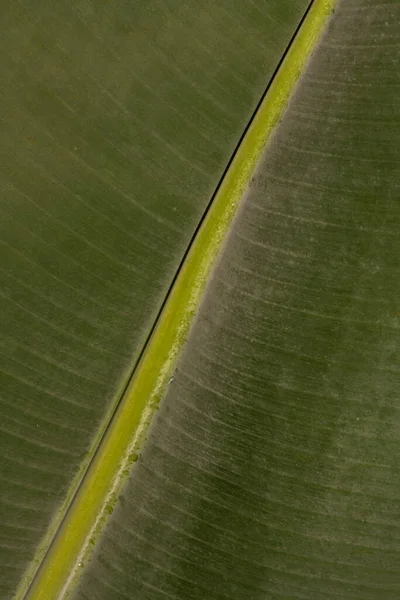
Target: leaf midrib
{"points": [[117, 445]]}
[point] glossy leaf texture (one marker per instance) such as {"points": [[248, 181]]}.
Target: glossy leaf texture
{"points": [[272, 468], [118, 119]]}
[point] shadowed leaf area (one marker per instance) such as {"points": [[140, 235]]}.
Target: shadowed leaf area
{"points": [[118, 119], [272, 468]]}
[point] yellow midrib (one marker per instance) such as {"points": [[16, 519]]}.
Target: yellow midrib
{"points": [[98, 491]]}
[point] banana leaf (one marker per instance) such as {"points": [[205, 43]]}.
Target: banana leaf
{"points": [[118, 120], [271, 467]]}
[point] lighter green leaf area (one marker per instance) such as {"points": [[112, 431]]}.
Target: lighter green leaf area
{"points": [[271, 470]]}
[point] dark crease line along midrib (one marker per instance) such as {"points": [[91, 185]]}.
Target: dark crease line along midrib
{"points": [[104, 433]]}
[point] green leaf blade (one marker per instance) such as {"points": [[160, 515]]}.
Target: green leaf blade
{"points": [[118, 120], [272, 468], [96, 496]]}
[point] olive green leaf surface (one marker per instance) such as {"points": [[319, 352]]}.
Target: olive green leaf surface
{"points": [[272, 470], [117, 121]]}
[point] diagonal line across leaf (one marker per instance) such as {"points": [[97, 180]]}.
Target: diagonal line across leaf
{"points": [[125, 434]]}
